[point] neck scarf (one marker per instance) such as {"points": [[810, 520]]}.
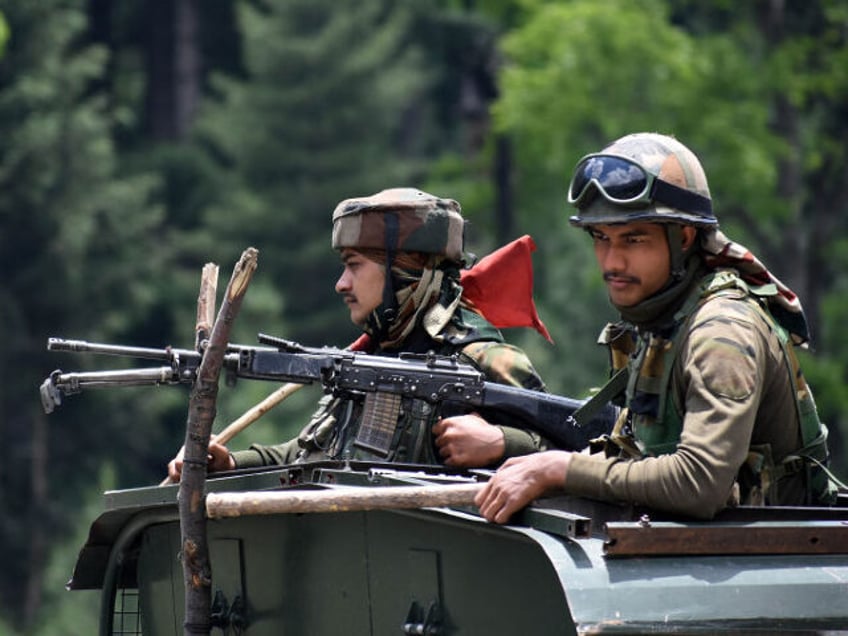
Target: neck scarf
{"points": [[784, 305], [428, 297]]}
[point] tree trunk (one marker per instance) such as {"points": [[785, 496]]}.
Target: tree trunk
{"points": [[794, 243], [37, 512], [174, 68], [504, 213]]}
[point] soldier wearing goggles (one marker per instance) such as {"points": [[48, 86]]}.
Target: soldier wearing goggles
{"points": [[715, 409]]}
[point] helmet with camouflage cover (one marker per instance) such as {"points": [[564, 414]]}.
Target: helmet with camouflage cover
{"points": [[641, 177], [400, 219]]}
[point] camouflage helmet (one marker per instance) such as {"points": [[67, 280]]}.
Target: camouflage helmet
{"points": [[419, 222], [641, 177]]}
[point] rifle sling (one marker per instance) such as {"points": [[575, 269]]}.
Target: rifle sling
{"points": [[614, 386]]}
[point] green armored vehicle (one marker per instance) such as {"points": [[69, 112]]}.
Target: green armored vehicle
{"points": [[364, 563], [365, 548]]}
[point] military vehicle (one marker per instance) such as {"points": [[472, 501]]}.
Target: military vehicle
{"points": [[562, 566]]}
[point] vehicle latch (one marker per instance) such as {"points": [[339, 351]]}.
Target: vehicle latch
{"points": [[431, 624]]}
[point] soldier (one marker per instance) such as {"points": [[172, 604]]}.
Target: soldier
{"points": [[402, 250], [716, 410]]}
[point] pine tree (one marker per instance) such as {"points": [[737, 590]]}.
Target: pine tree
{"points": [[70, 247], [319, 118]]}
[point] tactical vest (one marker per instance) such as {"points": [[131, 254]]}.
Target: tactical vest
{"points": [[652, 420]]}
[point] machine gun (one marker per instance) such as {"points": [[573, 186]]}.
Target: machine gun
{"points": [[439, 381]]}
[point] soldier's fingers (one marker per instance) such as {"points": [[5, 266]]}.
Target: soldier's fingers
{"points": [[489, 501], [503, 514], [175, 467], [438, 427]]}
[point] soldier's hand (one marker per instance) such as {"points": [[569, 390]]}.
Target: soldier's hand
{"points": [[175, 466], [219, 459], [469, 441], [521, 480]]}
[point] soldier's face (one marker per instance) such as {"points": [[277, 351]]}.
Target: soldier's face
{"points": [[634, 259], [361, 285]]}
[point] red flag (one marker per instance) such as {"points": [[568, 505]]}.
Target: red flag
{"points": [[500, 286], [362, 343]]}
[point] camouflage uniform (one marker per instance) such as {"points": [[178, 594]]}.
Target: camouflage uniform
{"points": [[421, 312], [717, 411]]}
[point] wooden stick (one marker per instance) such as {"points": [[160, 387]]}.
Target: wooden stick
{"points": [[339, 499], [206, 299], [206, 305], [256, 411], [194, 551]]}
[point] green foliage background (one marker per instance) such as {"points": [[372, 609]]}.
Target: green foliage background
{"points": [[104, 227]]}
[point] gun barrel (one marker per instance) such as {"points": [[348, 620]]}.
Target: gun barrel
{"points": [[59, 344]]}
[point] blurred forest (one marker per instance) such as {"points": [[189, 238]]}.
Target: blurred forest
{"points": [[143, 139]]}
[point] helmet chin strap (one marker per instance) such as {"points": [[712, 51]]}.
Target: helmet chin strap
{"points": [[390, 308], [674, 235]]}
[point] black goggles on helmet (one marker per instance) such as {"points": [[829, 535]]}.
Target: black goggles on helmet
{"points": [[624, 182]]}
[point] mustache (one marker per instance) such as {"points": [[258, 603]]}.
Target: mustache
{"points": [[608, 276]]}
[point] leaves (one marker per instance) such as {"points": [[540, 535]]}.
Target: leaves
{"points": [[103, 231]]}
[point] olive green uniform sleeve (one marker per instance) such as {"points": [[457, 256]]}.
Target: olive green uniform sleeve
{"points": [[287, 452], [258, 455], [731, 379], [506, 364]]}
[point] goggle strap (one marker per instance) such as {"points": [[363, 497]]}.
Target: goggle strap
{"points": [[681, 199]]}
